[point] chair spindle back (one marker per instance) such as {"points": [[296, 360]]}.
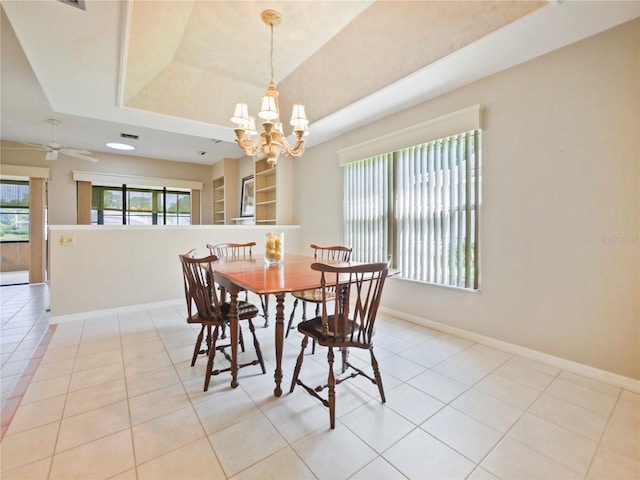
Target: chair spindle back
{"points": [[361, 285], [198, 279]]}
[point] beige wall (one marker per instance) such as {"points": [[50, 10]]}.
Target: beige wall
{"points": [[560, 219], [108, 267], [62, 194]]}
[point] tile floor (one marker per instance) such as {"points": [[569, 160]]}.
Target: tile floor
{"points": [[115, 397]]}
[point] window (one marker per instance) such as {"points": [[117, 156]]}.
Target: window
{"points": [[418, 204], [137, 206], [14, 211]]}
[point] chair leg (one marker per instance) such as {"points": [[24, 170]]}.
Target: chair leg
{"points": [[196, 349], [293, 311], [256, 345], [296, 371], [376, 373], [212, 354], [345, 358], [313, 345], [240, 338], [264, 300], [332, 390], [223, 331]]}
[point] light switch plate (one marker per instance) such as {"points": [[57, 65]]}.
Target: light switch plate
{"points": [[67, 240]]}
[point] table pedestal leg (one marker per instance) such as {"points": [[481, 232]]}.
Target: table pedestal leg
{"points": [[279, 342]]}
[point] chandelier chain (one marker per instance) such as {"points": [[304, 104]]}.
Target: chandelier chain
{"points": [[271, 54]]}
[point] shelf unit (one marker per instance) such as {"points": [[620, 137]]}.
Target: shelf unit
{"points": [[219, 211], [273, 188], [225, 191], [265, 178]]}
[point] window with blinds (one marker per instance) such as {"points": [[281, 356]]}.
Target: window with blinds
{"points": [[14, 211], [419, 204]]}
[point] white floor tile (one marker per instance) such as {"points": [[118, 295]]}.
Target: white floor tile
{"points": [[195, 461], [162, 435], [565, 447], [569, 416], [611, 465], [101, 458], [413, 404], [318, 452], [283, 465], [586, 397], [514, 393], [89, 426], [513, 460], [464, 434], [454, 409], [376, 424], [379, 469], [246, 443], [490, 410], [28, 446], [419, 455], [439, 386]]}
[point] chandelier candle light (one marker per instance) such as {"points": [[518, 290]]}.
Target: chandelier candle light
{"points": [[271, 142]]}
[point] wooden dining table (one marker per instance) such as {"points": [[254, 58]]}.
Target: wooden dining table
{"points": [[253, 274]]}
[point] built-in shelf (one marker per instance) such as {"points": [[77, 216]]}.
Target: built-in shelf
{"points": [[219, 213], [274, 192]]}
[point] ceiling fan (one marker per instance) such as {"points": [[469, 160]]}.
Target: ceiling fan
{"points": [[53, 148]]}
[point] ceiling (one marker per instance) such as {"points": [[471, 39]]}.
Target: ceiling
{"points": [[171, 71]]}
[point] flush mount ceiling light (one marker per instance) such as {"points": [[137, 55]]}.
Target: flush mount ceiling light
{"points": [[271, 142], [120, 146]]}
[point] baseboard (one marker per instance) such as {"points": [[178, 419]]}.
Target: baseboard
{"points": [[112, 311], [574, 367]]}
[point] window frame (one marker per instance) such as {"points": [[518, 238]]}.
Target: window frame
{"points": [[25, 210], [439, 246], [158, 212]]}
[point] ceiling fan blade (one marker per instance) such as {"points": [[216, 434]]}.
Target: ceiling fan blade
{"points": [[51, 155], [72, 153], [35, 146], [21, 148], [66, 151]]}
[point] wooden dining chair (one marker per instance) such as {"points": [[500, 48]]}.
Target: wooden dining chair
{"points": [[350, 324], [205, 308], [240, 251], [337, 253]]}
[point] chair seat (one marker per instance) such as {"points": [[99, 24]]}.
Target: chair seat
{"points": [[245, 310], [313, 329], [313, 295]]}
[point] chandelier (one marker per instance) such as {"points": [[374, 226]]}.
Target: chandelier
{"points": [[271, 141]]}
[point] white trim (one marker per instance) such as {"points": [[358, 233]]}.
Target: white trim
{"points": [[117, 180], [621, 381], [72, 317], [464, 120], [22, 171]]}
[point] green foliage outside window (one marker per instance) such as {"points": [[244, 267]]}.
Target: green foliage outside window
{"points": [[14, 211]]}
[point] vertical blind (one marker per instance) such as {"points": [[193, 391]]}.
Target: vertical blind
{"points": [[367, 207], [419, 203]]}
